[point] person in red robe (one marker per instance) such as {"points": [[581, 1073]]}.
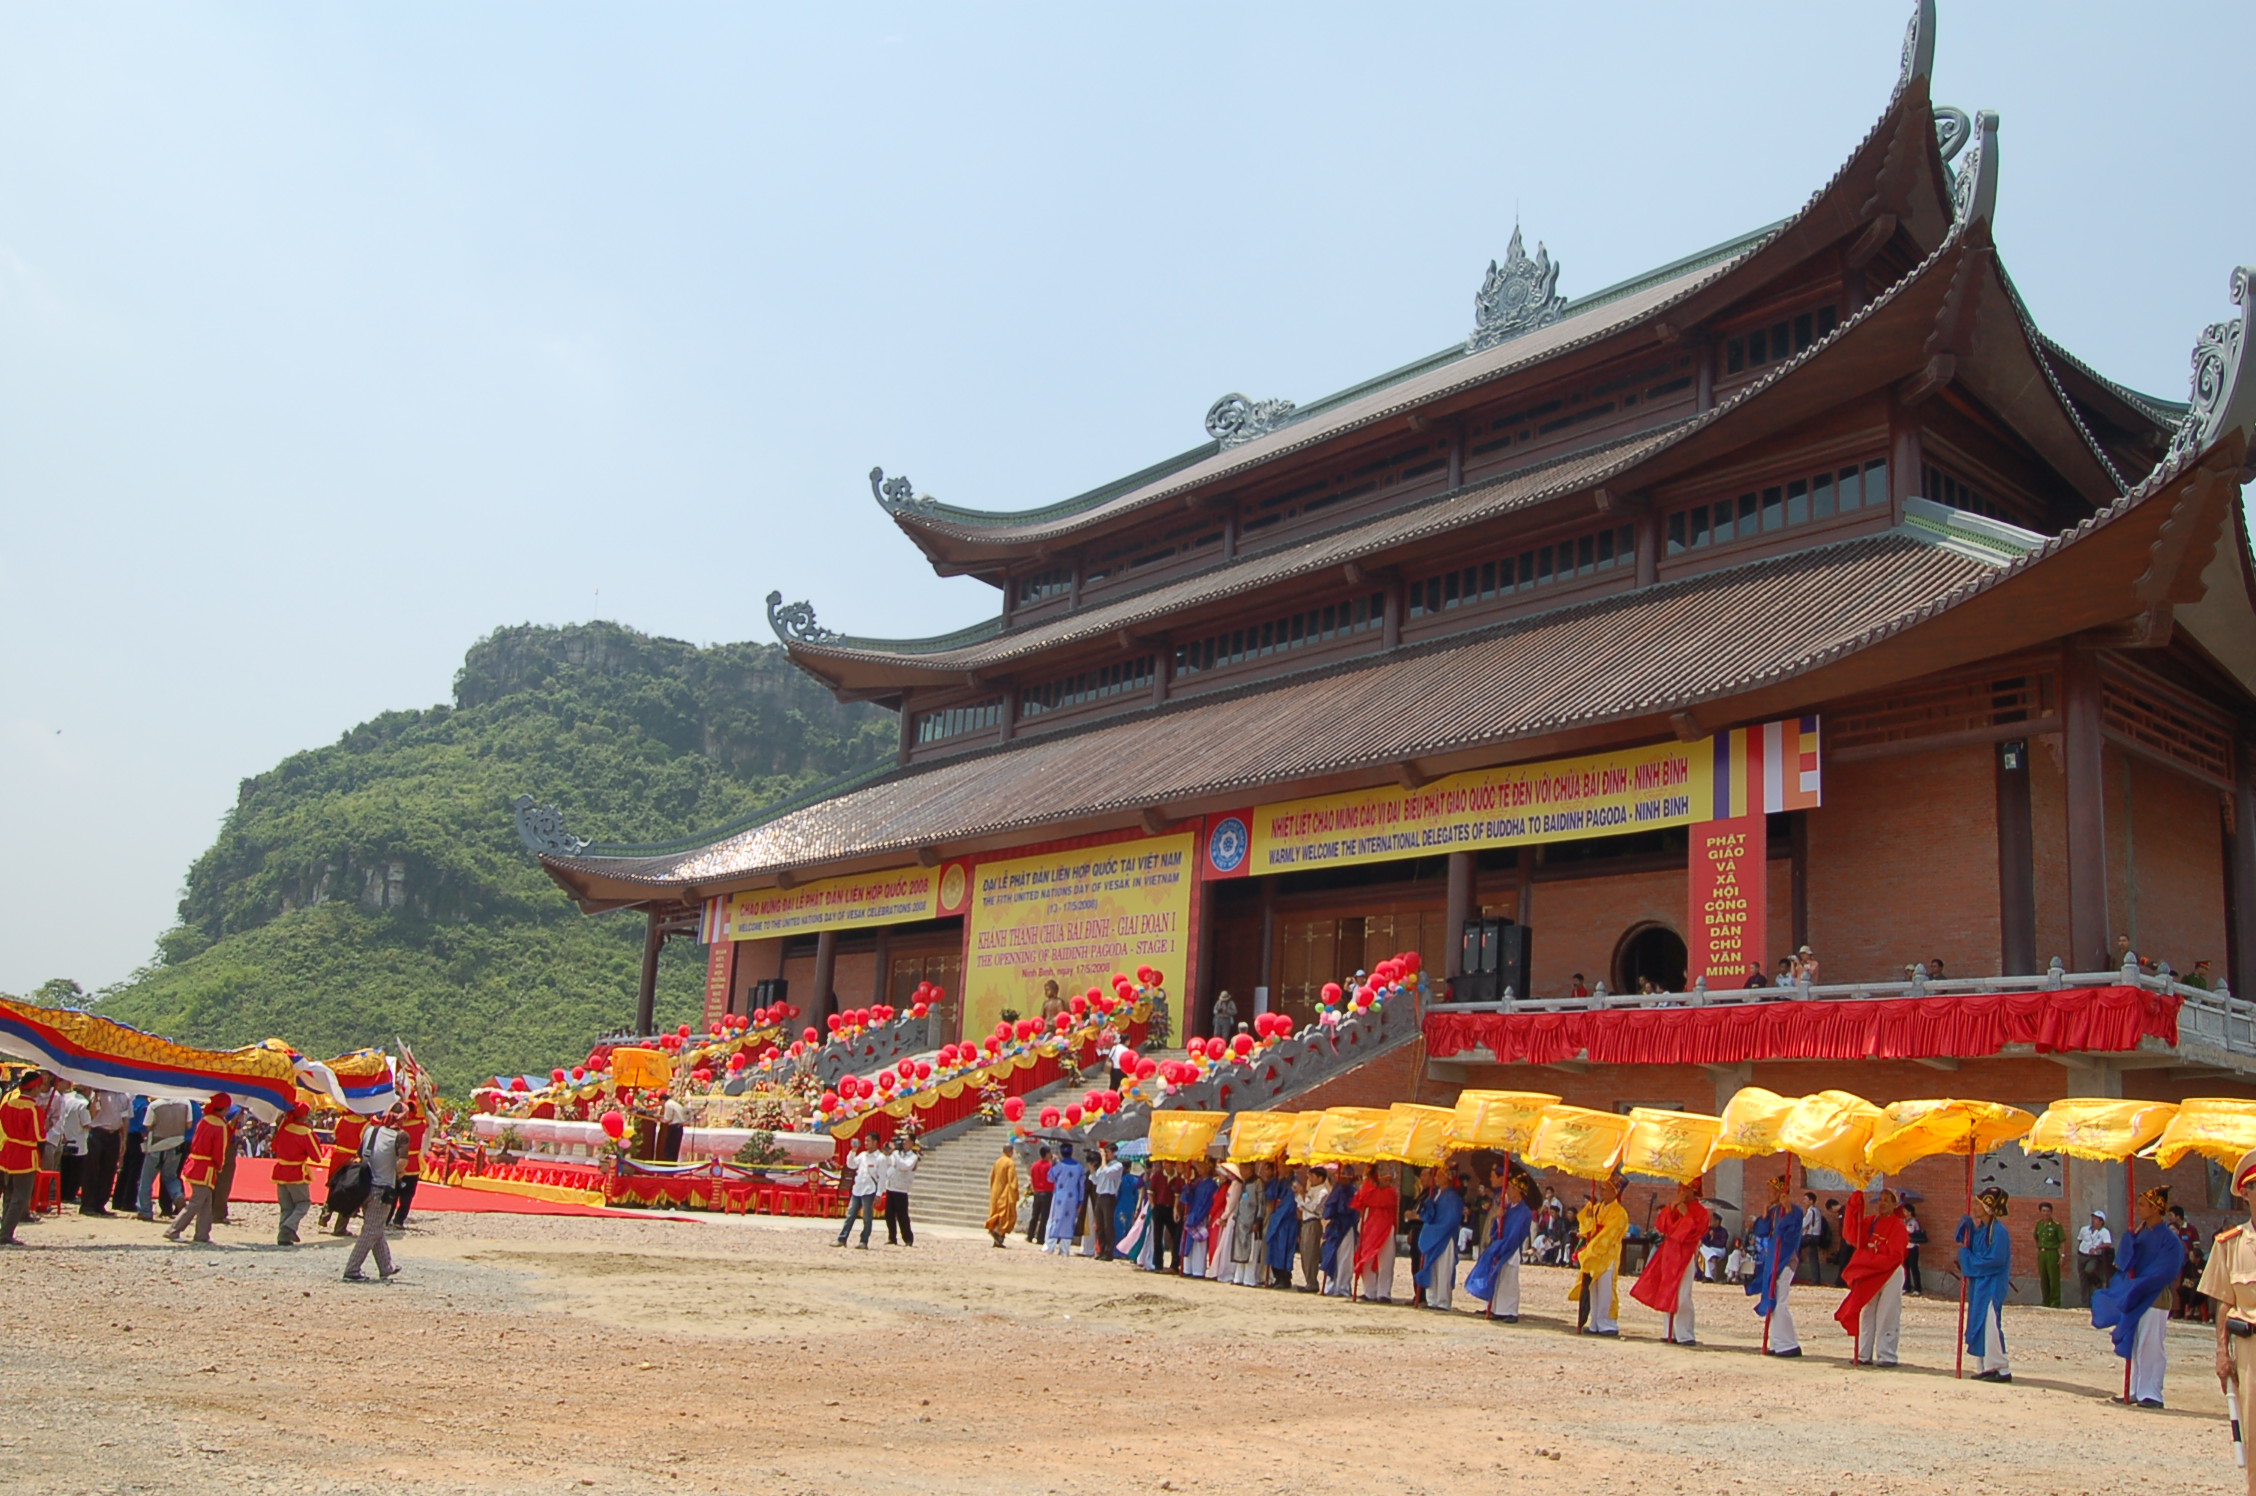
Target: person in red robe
{"points": [[295, 1151], [1872, 1310], [1665, 1287], [1378, 1205], [344, 1148], [199, 1174], [23, 1127]]}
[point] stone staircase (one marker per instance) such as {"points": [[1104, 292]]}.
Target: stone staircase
{"points": [[951, 1184]]}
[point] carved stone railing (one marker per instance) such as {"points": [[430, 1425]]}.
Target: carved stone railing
{"points": [[874, 1048]]}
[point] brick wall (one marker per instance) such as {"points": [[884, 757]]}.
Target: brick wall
{"points": [[1579, 923], [2048, 815], [2166, 863], [1903, 866]]}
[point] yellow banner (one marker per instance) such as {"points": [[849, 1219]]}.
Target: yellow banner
{"points": [[1668, 1145], [1738, 772], [1256, 1136], [1076, 917], [1184, 1137], [894, 896]]}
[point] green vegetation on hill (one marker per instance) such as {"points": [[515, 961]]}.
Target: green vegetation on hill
{"points": [[376, 887]]}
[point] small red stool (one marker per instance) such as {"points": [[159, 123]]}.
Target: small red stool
{"points": [[47, 1191]]}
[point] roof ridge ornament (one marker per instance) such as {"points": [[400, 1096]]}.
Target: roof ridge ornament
{"points": [[1516, 297], [2224, 388], [1918, 44], [541, 829], [795, 622], [1234, 420], [897, 492], [1974, 184], [1952, 129]]}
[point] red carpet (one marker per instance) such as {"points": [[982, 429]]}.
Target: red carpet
{"points": [[254, 1184]]}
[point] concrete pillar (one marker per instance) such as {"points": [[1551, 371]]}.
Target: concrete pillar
{"points": [[1457, 908], [1728, 1181], [646, 992], [2084, 748], [2240, 878], [2091, 1186], [826, 967]]}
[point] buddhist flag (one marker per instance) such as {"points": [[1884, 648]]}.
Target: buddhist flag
{"points": [[1415, 1135], [1348, 1135], [1183, 1137], [2219, 1128], [1752, 1120], [1255, 1136], [2101, 1128], [1577, 1140], [363, 1081], [1503, 1120], [1773, 767], [1669, 1145], [1832, 1130]]}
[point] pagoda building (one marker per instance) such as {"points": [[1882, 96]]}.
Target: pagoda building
{"points": [[1798, 593]]}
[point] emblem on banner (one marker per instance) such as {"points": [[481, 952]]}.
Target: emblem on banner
{"points": [[1227, 844]]}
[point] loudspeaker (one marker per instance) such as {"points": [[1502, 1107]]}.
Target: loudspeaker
{"points": [[1492, 956]]}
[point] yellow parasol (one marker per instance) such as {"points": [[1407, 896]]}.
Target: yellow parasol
{"points": [[1832, 1130], [1752, 1120], [1257, 1136], [1416, 1135], [1347, 1135], [2104, 1129], [1669, 1145], [1912, 1130], [1183, 1137], [2219, 1128], [1503, 1120], [1576, 1140], [641, 1068], [1304, 1131]]}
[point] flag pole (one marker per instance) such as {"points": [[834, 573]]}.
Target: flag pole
{"points": [[1961, 1371], [2130, 1214]]}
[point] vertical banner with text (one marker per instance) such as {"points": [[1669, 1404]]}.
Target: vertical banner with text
{"points": [[1075, 916], [1727, 919]]}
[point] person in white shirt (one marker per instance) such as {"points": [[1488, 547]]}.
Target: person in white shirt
{"points": [[865, 1165], [673, 1117], [2095, 1254], [900, 1178], [1104, 1189], [69, 1119], [1738, 1265], [1315, 1187], [108, 1112]]}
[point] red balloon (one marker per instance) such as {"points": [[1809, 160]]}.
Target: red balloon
{"points": [[1243, 1044], [1089, 1098], [835, 1021], [683, 1031], [1110, 1102], [923, 1070], [885, 1080], [1078, 1004], [1147, 976], [614, 1125], [993, 1045], [1158, 977], [1073, 1116], [579, 1072], [556, 1076], [1412, 962], [810, 1036], [1025, 1027], [1146, 1069], [830, 1101], [1002, 1031], [1364, 997], [1332, 993], [919, 1011], [1051, 1116], [1014, 1108], [770, 1052], [518, 1084], [737, 1062]]}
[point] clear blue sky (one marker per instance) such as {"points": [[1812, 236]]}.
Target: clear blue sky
{"points": [[331, 338]]}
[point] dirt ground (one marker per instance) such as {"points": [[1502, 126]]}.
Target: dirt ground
{"points": [[553, 1354]]}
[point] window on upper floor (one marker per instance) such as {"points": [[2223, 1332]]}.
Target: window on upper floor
{"points": [[1946, 487], [1780, 340], [957, 721], [1084, 686], [1537, 566], [1844, 490], [1041, 586], [1282, 635]]}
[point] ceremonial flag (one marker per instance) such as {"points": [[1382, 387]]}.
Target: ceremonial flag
{"points": [[107, 1055], [1578, 1141], [1668, 1145], [1752, 1120], [1348, 1135], [1503, 1120], [1183, 1137], [2219, 1128], [1833, 1130], [2101, 1128], [1415, 1135], [1255, 1136], [362, 1081]]}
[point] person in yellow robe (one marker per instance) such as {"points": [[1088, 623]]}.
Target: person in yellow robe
{"points": [[1604, 1225], [1002, 1196]]}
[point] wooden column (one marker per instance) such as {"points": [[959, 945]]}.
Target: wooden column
{"points": [[826, 967], [1199, 1001], [1457, 456], [2240, 874], [908, 728], [2085, 751], [1009, 722], [1904, 457], [1391, 634], [1704, 388], [1163, 670], [2017, 865], [646, 994], [1073, 598], [1230, 534], [1457, 908], [1648, 546], [884, 980]]}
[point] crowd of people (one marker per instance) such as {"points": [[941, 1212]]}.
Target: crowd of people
{"points": [[162, 1158], [880, 1177], [1340, 1230]]}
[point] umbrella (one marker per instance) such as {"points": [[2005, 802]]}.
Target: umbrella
{"points": [[1669, 1145], [2105, 1129], [1751, 1122], [1304, 1131], [1578, 1141], [1256, 1136], [1183, 1137], [1833, 1130], [1347, 1135], [1415, 1135], [2219, 1128], [1715, 1202], [1503, 1120], [1913, 1130]]}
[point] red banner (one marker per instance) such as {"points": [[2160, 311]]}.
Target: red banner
{"points": [[2103, 1019], [720, 974], [1727, 918]]}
